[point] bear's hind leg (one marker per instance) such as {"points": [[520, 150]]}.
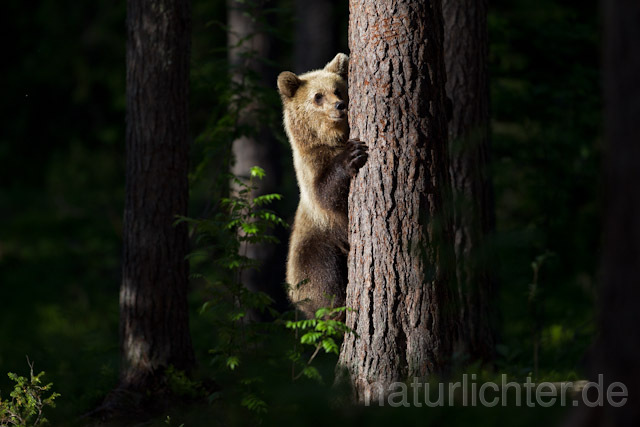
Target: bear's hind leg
{"points": [[324, 267]]}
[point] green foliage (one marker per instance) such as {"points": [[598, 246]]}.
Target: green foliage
{"points": [[29, 398], [181, 385], [254, 403], [240, 218], [246, 348], [234, 215], [320, 333], [231, 309]]}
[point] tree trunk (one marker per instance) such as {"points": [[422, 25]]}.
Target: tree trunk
{"points": [[465, 51], [316, 40], [400, 261], [618, 343], [154, 322], [249, 48]]}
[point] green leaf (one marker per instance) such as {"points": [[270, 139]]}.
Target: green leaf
{"points": [[204, 307], [250, 228], [257, 172], [232, 362], [310, 337], [237, 316], [254, 403], [312, 372], [320, 313], [329, 345]]}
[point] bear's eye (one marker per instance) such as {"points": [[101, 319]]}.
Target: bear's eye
{"points": [[318, 98], [337, 93]]}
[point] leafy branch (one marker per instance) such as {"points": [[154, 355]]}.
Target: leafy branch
{"points": [[320, 333], [28, 400]]}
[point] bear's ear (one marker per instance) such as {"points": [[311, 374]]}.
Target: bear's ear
{"points": [[288, 83], [339, 65]]}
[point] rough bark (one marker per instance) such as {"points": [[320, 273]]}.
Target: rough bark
{"points": [[316, 35], [249, 48], [466, 50], [154, 321], [618, 344], [400, 279]]}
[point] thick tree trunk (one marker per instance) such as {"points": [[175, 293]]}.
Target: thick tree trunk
{"points": [[154, 319], [250, 46], [617, 347], [466, 50], [400, 272], [316, 40], [619, 344]]}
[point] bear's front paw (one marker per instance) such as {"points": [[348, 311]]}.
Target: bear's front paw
{"points": [[356, 156]]}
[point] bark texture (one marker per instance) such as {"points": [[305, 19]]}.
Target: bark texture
{"points": [[466, 50], [153, 297], [400, 258], [316, 35], [250, 45]]}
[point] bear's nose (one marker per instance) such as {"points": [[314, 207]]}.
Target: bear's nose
{"points": [[340, 105]]}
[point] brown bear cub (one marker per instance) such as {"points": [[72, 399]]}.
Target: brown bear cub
{"points": [[325, 160]]}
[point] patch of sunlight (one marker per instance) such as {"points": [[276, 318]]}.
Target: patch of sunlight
{"points": [[557, 336]]}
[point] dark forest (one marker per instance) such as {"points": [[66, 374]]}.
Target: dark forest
{"points": [[148, 192]]}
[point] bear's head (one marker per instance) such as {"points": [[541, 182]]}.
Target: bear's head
{"points": [[317, 101]]}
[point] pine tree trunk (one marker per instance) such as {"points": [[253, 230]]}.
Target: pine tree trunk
{"points": [[466, 50], [400, 279], [154, 319], [250, 46], [617, 346]]}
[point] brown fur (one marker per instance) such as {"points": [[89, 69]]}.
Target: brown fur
{"points": [[324, 160]]}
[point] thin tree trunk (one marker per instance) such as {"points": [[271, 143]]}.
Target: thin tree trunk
{"points": [[618, 344], [466, 50], [250, 46], [400, 280], [154, 321], [316, 40]]}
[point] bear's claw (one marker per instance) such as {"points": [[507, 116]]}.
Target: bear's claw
{"points": [[356, 155]]}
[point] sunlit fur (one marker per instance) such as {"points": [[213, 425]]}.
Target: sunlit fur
{"points": [[308, 124], [316, 137]]}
